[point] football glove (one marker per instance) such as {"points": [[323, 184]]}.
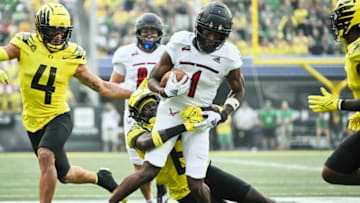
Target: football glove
{"points": [[354, 122], [3, 77], [323, 103], [192, 117], [174, 88], [212, 118]]}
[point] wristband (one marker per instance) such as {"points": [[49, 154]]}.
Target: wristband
{"points": [[340, 104], [234, 103], [156, 138]]}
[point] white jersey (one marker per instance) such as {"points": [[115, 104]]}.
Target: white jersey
{"points": [[135, 65], [207, 71]]}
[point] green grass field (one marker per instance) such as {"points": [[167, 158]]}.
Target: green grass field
{"points": [[276, 174]]}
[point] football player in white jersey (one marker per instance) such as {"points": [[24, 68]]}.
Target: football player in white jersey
{"points": [[132, 64], [208, 60]]}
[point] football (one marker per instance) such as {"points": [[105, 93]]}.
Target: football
{"points": [[179, 75]]}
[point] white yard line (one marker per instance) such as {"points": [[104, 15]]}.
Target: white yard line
{"points": [[267, 164]]}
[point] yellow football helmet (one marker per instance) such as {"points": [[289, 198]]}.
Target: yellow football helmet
{"points": [[344, 16], [143, 104], [51, 20]]}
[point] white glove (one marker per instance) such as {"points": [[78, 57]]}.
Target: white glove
{"points": [[211, 119], [174, 88]]}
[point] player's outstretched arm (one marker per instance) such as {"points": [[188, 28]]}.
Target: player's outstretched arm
{"points": [[328, 102], [104, 88], [324, 102]]}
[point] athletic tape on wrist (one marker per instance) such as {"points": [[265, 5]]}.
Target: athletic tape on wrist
{"points": [[232, 102], [156, 138], [339, 104]]}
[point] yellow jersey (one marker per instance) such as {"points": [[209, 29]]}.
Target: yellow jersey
{"points": [[352, 66], [173, 173], [44, 78]]}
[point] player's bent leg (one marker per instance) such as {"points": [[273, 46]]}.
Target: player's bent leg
{"points": [[48, 175], [342, 167], [146, 188], [144, 175], [253, 196], [199, 189], [334, 177]]}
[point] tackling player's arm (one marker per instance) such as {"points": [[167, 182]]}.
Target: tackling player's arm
{"points": [[150, 140], [145, 140], [104, 88], [163, 66]]}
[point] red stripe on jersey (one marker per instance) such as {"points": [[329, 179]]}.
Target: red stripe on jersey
{"points": [[199, 65], [144, 63]]}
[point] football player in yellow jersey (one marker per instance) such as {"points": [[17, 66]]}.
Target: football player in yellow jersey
{"points": [[223, 186], [47, 62], [342, 167]]}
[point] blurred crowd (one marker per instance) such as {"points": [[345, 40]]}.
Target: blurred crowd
{"points": [[286, 27]]}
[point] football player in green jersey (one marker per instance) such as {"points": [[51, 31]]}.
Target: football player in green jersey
{"points": [[223, 186], [342, 167], [47, 62]]}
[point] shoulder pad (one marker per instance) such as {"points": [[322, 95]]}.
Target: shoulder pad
{"points": [[25, 37], [77, 52], [182, 37], [122, 53], [354, 50], [134, 132]]}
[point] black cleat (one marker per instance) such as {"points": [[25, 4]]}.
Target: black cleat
{"points": [[106, 180], [162, 196]]}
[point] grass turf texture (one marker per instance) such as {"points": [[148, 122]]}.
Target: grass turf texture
{"points": [[274, 173]]}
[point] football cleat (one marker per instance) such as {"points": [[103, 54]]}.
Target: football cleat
{"points": [[162, 195], [106, 180]]}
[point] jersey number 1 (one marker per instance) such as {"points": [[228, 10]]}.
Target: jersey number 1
{"points": [[48, 88]]}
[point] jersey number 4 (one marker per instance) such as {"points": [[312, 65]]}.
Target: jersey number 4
{"points": [[48, 88]]}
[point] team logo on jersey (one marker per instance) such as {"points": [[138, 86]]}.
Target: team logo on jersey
{"points": [[217, 59], [173, 113], [135, 53], [186, 48], [33, 48]]}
